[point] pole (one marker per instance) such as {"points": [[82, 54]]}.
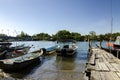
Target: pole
{"points": [[111, 18], [111, 21]]}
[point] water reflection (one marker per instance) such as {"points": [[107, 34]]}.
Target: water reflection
{"points": [[65, 63]]}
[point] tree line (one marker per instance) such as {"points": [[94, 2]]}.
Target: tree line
{"points": [[65, 34]]}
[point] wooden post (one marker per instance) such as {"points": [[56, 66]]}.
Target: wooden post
{"points": [[100, 44], [118, 53]]}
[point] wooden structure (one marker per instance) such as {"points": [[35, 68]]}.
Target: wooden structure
{"points": [[102, 65]]}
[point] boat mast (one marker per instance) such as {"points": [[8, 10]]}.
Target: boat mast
{"points": [[111, 21]]}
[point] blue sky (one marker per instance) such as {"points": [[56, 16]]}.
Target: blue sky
{"points": [[50, 16]]}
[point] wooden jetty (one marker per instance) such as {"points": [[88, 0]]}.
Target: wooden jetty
{"points": [[102, 65]]}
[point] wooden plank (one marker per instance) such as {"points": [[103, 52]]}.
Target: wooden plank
{"points": [[111, 68], [97, 56], [106, 67], [103, 67], [108, 76], [105, 60], [114, 75], [95, 75], [92, 59], [90, 67], [97, 66], [102, 76], [116, 66], [118, 73], [105, 56], [111, 56]]}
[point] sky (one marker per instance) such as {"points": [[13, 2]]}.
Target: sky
{"points": [[50, 16]]}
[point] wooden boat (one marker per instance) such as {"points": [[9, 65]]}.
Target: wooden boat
{"points": [[50, 50], [67, 50], [18, 63]]}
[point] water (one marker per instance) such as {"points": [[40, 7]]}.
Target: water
{"points": [[54, 67]]}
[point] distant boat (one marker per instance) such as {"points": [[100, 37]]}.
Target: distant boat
{"points": [[18, 63], [115, 45], [67, 49]]}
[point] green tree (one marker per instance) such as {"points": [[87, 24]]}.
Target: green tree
{"points": [[86, 37], [92, 35], [24, 36], [63, 35], [41, 36], [100, 37], [76, 36], [3, 35]]}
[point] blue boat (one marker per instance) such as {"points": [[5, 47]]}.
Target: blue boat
{"points": [[50, 50]]}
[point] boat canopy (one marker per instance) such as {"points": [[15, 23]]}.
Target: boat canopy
{"points": [[117, 40]]}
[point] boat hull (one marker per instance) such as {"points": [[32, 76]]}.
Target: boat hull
{"points": [[21, 62], [49, 50], [66, 52], [18, 66]]}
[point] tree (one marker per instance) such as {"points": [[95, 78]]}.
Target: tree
{"points": [[41, 36], [75, 36], [24, 36], [92, 35], [63, 35], [3, 37]]}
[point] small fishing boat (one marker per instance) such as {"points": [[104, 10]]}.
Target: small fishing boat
{"points": [[18, 63], [67, 49], [50, 50]]}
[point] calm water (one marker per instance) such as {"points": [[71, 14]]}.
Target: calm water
{"points": [[54, 67]]}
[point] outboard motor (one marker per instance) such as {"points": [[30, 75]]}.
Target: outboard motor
{"points": [[63, 51], [44, 50]]}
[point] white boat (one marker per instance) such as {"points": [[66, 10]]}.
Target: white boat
{"points": [[67, 49]]}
